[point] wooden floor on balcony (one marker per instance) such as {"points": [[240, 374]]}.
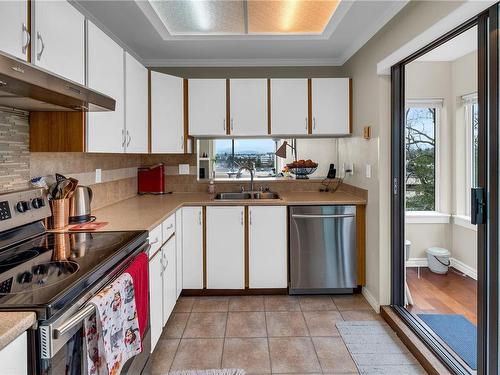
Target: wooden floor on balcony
{"points": [[453, 293]]}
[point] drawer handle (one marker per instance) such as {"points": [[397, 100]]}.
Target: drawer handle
{"points": [[170, 226], [155, 241]]}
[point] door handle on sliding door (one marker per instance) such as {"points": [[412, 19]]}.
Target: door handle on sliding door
{"points": [[478, 206]]}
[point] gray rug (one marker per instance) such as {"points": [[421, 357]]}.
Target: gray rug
{"points": [[224, 371], [376, 349]]}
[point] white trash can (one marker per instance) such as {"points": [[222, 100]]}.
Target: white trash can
{"points": [[438, 259]]}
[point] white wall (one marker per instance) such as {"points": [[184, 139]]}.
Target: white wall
{"points": [[372, 107]]}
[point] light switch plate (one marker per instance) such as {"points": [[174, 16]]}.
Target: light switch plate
{"points": [[183, 168], [98, 175]]}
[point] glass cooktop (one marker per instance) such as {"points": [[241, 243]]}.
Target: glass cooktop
{"points": [[51, 270]]}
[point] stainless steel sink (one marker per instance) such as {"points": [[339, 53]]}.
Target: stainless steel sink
{"points": [[247, 195]]}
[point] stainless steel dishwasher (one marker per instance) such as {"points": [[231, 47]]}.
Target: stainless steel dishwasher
{"points": [[323, 254]]}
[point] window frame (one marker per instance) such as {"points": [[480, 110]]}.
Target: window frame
{"points": [[244, 175], [468, 101], [437, 105]]}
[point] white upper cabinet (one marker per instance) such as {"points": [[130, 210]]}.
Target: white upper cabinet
{"points": [[136, 106], [105, 130], [248, 102], [207, 107], [59, 39], [267, 236], [167, 113], [289, 106], [192, 248], [14, 37], [225, 247], [330, 106]]}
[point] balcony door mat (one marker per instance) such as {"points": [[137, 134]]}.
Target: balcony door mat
{"points": [[376, 349], [457, 332], [224, 371]]}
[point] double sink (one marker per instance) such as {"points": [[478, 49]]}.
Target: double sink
{"points": [[247, 195]]}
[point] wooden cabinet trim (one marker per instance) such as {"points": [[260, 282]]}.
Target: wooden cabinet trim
{"points": [[269, 130], [186, 116], [150, 143], [204, 224], [309, 106], [361, 243], [247, 248], [228, 107], [350, 105]]}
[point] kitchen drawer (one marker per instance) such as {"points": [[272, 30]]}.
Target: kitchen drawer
{"points": [[155, 240], [168, 227]]}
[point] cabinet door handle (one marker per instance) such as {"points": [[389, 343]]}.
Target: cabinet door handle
{"points": [[39, 37], [123, 138], [182, 142], [232, 123], [129, 138], [241, 217], [314, 122], [199, 217], [28, 38], [224, 124], [249, 217], [155, 241], [306, 123]]}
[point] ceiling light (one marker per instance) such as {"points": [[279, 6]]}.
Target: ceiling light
{"points": [[289, 14], [202, 14]]}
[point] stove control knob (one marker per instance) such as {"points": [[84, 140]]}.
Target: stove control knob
{"points": [[25, 277], [23, 206], [20, 207], [37, 203]]}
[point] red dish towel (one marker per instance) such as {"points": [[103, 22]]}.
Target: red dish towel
{"points": [[138, 270]]}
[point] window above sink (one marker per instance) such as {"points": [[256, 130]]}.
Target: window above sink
{"points": [[221, 159]]}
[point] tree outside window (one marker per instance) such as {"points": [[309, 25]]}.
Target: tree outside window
{"points": [[421, 159]]}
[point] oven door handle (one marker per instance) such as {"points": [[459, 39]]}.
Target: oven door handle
{"points": [[74, 320]]}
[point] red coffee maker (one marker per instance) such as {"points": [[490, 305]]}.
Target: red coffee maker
{"points": [[151, 180]]}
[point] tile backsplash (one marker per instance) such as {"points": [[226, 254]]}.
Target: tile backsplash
{"points": [[14, 150]]}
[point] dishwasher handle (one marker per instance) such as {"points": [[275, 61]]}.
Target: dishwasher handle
{"points": [[333, 216]]}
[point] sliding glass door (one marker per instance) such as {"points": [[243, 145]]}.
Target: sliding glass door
{"points": [[444, 189]]}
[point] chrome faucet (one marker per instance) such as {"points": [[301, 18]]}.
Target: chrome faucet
{"points": [[249, 169]]}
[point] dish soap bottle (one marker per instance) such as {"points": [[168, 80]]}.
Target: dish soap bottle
{"points": [[211, 187]]}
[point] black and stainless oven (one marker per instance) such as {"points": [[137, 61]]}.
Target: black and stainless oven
{"points": [[55, 275]]}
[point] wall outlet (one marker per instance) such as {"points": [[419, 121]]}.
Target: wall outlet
{"points": [[98, 175], [183, 168], [368, 171], [348, 167]]}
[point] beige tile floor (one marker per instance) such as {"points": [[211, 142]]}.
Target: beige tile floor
{"points": [[260, 334]]}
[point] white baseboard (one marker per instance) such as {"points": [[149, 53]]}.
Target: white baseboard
{"points": [[370, 299], [462, 267], [455, 263], [417, 262]]}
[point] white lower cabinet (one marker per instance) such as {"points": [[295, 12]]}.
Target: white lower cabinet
{"points": [[192, 248], [267, 239], [14, 357], [178, 251], [226, 247], [169, 276], [155, 297]]}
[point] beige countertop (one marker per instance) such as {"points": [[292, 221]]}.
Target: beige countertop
{"points": [[13, 324], [145, 212]]}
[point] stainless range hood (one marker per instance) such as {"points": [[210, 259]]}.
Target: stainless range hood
{"points": [[27, 87]]}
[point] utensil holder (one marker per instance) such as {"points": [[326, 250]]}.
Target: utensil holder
{"points": [[60, 213]]}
